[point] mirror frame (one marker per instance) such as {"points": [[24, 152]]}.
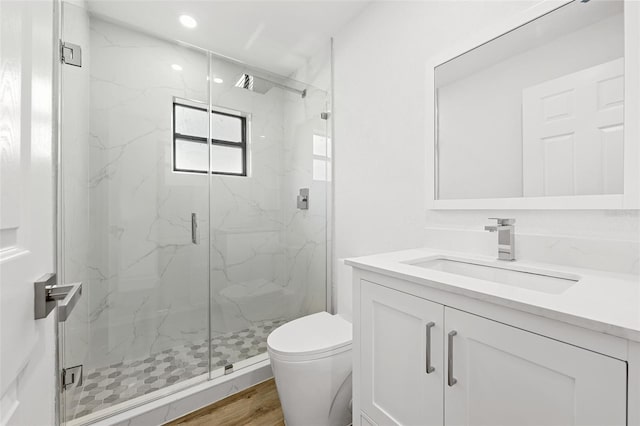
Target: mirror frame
{"points": [[629, 199]]}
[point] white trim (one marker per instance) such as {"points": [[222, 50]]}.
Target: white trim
{"points": [[584, 202], [631, 104], [189, 102], [631, 197]]}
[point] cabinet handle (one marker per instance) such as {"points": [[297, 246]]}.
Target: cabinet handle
{"points": [[194, 229], [450, 379], [430, 369]]}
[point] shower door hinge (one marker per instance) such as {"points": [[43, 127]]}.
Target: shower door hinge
{"points": [[325, 115], [71, 376], [70, 54]]}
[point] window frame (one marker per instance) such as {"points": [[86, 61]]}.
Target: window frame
{"points": [[242, 145]]}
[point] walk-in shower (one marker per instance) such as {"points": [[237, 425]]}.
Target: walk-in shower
{"points": [[178, 212]]}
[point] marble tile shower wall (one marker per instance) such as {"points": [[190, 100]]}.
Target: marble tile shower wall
{"points": [[305, 231], [147, 283], [268, 257], [313, 234], [247, 257]]}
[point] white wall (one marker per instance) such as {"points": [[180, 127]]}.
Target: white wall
{"points": [[380, 194]]}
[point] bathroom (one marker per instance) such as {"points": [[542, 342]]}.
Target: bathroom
{"points": [[320, 251]]}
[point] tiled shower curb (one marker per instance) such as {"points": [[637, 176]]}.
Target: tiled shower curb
{"points": [[184, 402]]}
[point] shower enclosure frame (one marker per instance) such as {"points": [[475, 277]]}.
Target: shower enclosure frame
{"points": [[212, 374]]}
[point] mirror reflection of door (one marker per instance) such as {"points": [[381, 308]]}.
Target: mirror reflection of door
{"points": [[536, 112], [573, 133]]}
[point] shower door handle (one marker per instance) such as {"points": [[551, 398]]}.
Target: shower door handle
{"points": [[194, 229], [67, 296], [48, 294]]}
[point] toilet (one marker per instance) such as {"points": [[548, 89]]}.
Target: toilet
{"points": [[311, 362]]}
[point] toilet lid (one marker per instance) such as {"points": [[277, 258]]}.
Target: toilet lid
{"points": [[317, 333]]}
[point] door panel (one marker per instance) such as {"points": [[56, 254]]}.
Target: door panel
{"points": [[507, 376], [27, 357], [396, 388], [365, 421], [573, 133]]}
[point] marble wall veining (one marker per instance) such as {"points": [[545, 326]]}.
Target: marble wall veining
{"points": [[247, 259], [147, 285], [305, 231], [317, 71], [268, 258]]}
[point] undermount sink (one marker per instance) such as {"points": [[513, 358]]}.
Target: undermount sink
{"points": [[528, 278]]}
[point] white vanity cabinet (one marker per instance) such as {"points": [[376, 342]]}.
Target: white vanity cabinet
{"points": [[507, 376], [401, 357], [483, 372]]}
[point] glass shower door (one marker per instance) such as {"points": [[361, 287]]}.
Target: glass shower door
{"points": [[133, 218], [268, 254]]}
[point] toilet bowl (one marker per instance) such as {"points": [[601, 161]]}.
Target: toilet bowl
{"points": [[311, 362]]}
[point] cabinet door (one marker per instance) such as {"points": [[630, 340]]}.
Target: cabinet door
{"points": [[506, 376], [396, 387]]}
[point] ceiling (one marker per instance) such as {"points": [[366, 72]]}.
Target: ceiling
{"points": [[278, 36]]}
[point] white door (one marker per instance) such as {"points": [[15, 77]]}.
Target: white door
{"points": [[573, 133], [510, 377], [27, 346], [396, 387]]}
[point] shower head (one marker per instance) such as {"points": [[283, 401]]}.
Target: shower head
{"points": [[255, 84], [262, 85]]}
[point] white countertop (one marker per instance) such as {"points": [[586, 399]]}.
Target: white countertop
{"points": [[601, 301]]}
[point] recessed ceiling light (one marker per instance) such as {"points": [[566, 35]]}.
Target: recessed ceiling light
{"points": [[218, 80], [176, 67], [188, 21]]}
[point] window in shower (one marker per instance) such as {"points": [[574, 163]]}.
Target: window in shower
{"points": [[228, 141], [321, 158]]}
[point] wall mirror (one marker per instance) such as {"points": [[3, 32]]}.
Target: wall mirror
{"points": [[539, 115]]}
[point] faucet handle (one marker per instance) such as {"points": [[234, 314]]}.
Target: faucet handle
{"points": [[503, 221]]}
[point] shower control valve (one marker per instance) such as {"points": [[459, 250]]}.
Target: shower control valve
{"points": [[303, 199]]}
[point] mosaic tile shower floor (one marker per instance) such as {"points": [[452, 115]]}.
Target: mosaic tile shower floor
{"points": [[108, 386]]}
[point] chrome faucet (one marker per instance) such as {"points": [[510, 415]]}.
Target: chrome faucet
{"points": [[506, 237]]}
